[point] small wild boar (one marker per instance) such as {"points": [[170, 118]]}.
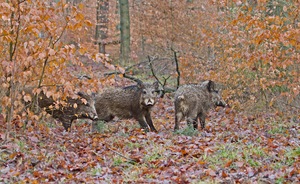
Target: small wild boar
{"points": [[133, 101], [192, 101], [81, 108]]}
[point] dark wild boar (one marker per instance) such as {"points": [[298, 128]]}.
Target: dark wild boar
{"points": [[133, 101], [192, 101], [70, 109]]}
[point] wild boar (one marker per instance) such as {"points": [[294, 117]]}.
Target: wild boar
{"points": [[70, 109], [192, 101], [133, 101]]}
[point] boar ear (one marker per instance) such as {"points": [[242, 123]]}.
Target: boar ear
{"points": [[211, 86], [140, 84], [155, 84], [81, 94]]}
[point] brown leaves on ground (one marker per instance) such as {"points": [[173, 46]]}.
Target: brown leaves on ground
{"points": [[230, 149]]}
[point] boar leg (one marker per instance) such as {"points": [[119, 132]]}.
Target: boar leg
{"points": [[195, 123], [150, 123], [178, 118], [143, 123], [201, 117], [192, 121]]}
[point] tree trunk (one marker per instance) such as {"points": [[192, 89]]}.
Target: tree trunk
{"points": [[125, 32], [102, 21]]}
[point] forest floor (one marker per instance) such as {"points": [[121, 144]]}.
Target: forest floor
{"points": [[233, 148]]}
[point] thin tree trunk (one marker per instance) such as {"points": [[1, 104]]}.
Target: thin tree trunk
{"points": [[102, 21], [125, 32]]}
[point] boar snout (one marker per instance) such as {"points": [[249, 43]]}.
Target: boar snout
{"points": [[149, 102], [221, 103], [94, 117]]}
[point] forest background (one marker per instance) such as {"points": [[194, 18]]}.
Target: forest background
{"points": [[250, 47]]}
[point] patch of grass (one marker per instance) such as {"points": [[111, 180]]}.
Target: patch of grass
{"points": [[41, 144], [255, 150], [276, 165], [205, 182], [132, 173], [279, 89], [188, 131], [117, 161], [252, 162], [249, 74], [154, 152], [96, 171], [150, 176], [100, 126], [292, 156], [153, 156], [22, 145], [278, 129], [63, 148], [51, 124], [123, 134], [279, 180], [224, 153], [133, 145], [287, 159], [253, 154]]}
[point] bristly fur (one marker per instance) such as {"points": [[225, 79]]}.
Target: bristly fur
{"points": [[69, 112], [192, 101], [133, 101]]}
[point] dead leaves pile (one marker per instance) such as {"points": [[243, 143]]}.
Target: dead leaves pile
{"points": [[231, 149]]}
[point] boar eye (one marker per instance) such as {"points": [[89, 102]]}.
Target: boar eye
{"points": [[144, 92]]}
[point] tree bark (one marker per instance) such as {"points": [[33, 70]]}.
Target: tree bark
{"points": [[125, 32], [102, 21]]}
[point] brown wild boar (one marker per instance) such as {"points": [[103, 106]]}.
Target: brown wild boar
{"points": [[192, 101], [133, 101], [81, 108]]}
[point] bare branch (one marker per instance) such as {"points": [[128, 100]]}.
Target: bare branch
{"points": [[84, 76], [177, 68], [123, 74], [163, 84], [152, 70], [127, 158], [45, 63]]}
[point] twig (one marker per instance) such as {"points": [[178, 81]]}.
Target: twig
{"points": [[152, 70], [84, 76], [165, 80], [142, 62], [123, 74], [131, 78], [131, 160], [150, 60], [163, 84], [177, 68], [134, 65]]}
